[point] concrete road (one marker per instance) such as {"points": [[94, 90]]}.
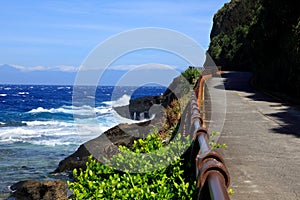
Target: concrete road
{"points": [[263, 139]]}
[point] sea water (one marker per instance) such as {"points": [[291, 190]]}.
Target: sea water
{"points": [[38, 127]]}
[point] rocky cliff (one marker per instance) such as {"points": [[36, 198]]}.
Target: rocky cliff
{"points": [[262, 36]]}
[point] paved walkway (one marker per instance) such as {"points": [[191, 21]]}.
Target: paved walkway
{"points": [[263, 138]]}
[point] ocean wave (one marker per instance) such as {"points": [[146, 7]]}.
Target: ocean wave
{"points": [[36, 134], [53, 133], [23, 93], [3, 95], [12, 124], [85, 110], [123, 101], [63, 87], [63, 109], [45, 142], [88, 123], [61, 132], [51, 110], [52, 142], [74, 110], [49, 123]]}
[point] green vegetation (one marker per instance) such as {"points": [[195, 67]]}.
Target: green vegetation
{"points": [[230, 191], [152, 168], [164, 182], [263, 37], [212, 142], [214, 145], [173, 115], [191, 75]]}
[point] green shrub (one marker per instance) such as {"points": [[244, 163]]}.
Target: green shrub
{"points": [[159, 181], [191, 75], [213, 144]]}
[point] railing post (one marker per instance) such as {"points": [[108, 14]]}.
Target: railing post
{"points": [[212, 175]]}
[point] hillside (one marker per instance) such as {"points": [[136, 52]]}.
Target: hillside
{"points": [[262, 36]]}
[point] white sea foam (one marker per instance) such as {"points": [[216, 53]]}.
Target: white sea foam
{"points": [[75, 110], [65, 109], [38, 134], [22, 93], [59, 132], [51, 142], [123, 101], [90, 123], [48, 123], [3, 95], [53, 133]]}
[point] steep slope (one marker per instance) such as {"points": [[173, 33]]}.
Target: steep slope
{"points": [[262, 36]]}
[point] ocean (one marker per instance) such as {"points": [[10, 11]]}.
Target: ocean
{"points": [[38, 128]]}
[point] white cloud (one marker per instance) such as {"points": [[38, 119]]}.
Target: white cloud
{"points": [[143, 67], [123, 67], [38, 68], [22, 68], [66, 68], [63, 68], [69, 68], [150, 66]]}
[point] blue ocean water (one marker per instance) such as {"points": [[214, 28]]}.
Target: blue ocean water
{"points": [[37, 127]]}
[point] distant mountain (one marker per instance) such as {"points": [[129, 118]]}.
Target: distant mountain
{"points": [[10, 74], [13, 74]]}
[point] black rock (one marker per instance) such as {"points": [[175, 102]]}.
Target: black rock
{"points": [[106, 144], [35, 190]]}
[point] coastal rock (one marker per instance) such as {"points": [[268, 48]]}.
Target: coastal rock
{"points": [[144, 107], [140, 108], [105, 145], [35, 190]]}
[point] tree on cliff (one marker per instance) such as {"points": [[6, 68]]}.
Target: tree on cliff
{"points": [[262, 36]]}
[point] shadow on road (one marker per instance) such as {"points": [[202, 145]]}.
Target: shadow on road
{"points": [[283, 113]]}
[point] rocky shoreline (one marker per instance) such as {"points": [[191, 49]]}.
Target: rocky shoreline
{"points": [[103, 146]]}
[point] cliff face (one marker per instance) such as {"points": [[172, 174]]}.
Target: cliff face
{"points": [[262, 36]]}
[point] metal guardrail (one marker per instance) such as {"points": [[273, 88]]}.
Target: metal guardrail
{"points": [[212, 175]]}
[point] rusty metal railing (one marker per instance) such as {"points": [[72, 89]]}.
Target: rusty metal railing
{"points": [[212, 175]]}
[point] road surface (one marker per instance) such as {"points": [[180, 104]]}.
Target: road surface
{"points": [[263, 139]]}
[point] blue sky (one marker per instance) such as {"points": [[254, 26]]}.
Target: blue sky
{"points": [[59, 35]]}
